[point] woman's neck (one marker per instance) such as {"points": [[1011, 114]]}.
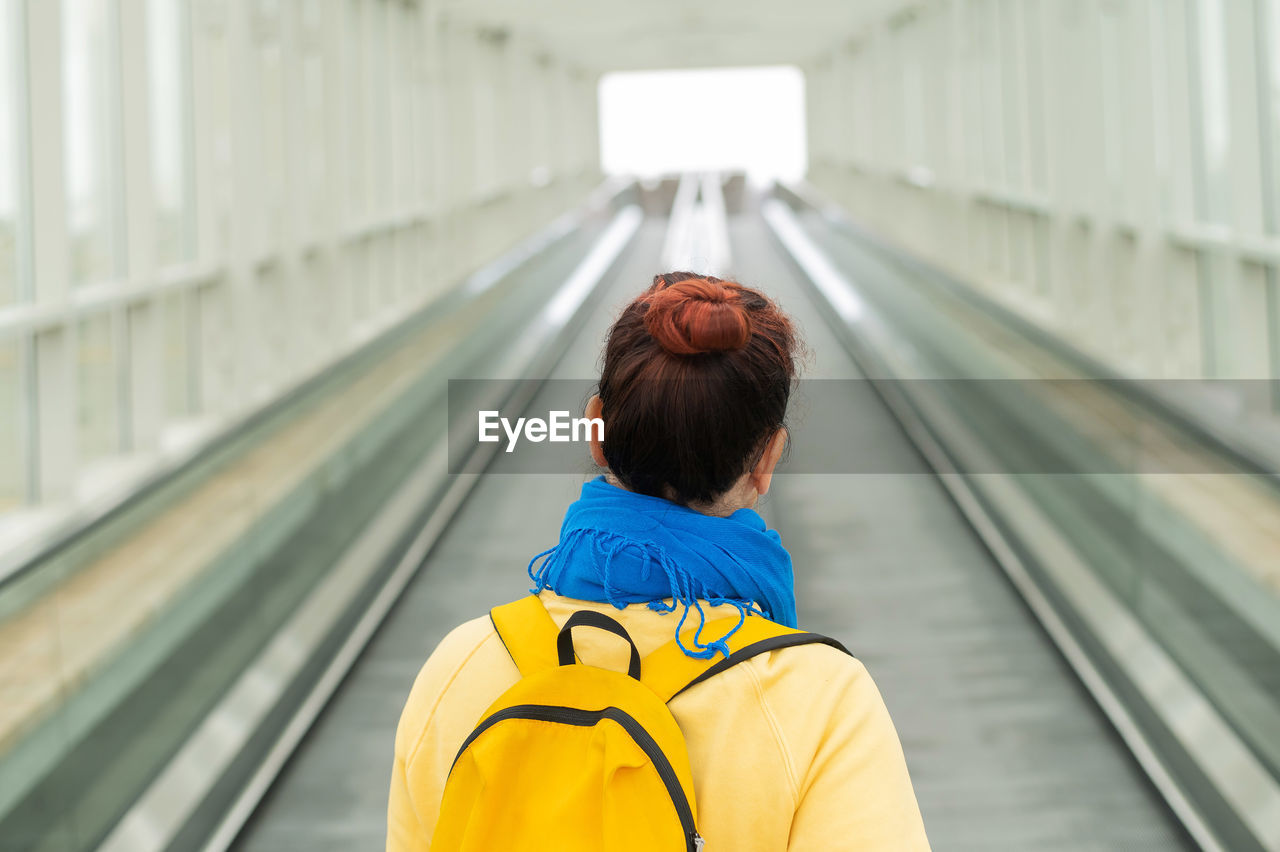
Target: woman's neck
{"points": [[740, 496]]}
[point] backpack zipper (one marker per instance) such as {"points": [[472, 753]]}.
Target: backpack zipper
{"points": [[589, 718]]}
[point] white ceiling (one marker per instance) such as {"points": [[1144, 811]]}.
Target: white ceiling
{"points": [[609, 35]]}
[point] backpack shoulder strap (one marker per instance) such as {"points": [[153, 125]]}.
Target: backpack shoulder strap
{"points": [[528, 632], [669, 671]]}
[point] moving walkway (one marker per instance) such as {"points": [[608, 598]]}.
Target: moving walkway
{"points": [[273, 602]]}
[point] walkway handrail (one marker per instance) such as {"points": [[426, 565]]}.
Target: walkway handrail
{"points": [[1203, 746], [1233, 443], [326, 633], [228, 440]]}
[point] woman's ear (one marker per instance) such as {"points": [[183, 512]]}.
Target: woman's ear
{"points": [[595, 410], [762, 474]]}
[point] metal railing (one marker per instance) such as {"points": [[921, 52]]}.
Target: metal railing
{"points": [[1153, 579], [213, 608]]}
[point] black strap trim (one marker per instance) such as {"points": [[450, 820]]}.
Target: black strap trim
{"points": [[755, 649], [591, 618], [502, 639]]}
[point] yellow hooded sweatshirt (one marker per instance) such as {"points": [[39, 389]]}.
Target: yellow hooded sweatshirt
{"points": [[791, 750]]}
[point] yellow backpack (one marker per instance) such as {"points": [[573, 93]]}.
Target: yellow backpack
{"points": [[578, 758]]}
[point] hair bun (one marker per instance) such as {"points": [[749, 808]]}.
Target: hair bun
{"points": [[697, 315]]}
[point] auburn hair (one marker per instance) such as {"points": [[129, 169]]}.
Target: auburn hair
{"points": [[696, 379]]}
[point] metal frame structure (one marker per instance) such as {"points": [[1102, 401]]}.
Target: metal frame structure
{"points": [[342, 164], [1108, 168]]}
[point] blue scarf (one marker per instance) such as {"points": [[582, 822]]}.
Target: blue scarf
{"points": [[620, 547]]}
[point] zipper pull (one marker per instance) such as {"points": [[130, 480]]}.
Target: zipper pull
{"points": [[698, 842]]}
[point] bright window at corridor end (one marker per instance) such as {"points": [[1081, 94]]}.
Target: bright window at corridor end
{"points": [[731, 119]]}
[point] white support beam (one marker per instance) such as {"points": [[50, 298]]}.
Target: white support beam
{"points": [[327, 196], [251, 369], [142, 359], [297, 342], [55, 379]]}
